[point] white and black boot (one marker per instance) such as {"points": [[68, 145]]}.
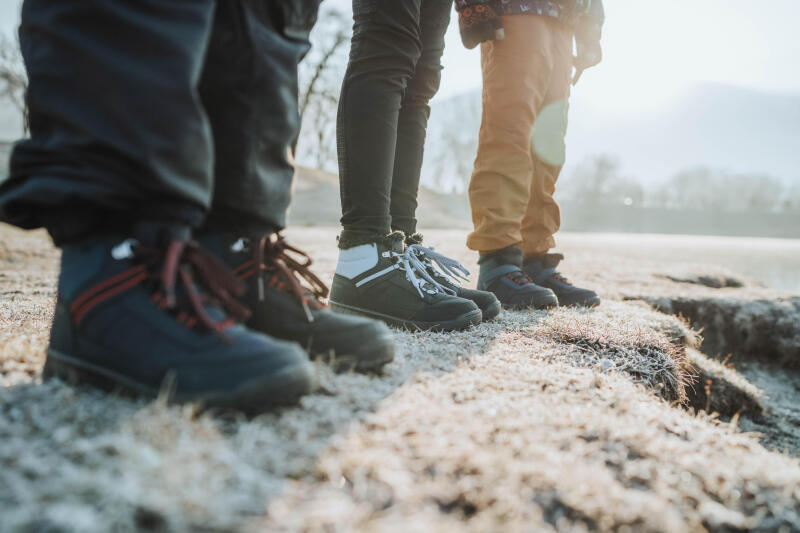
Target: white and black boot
{"points": [[449, 273], [383, 280]]}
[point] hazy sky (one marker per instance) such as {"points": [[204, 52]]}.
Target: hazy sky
{"points": [[652, 49]]}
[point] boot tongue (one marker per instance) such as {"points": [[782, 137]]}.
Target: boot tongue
{"points": [[396, 246]]}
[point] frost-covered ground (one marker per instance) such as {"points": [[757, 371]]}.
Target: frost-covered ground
{"points": [[571, 420]]}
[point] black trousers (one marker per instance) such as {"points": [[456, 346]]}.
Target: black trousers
{"points": [[393, 72], [154, 109]]}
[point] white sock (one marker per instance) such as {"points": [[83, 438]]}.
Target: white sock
{"points": [[357, 260]]}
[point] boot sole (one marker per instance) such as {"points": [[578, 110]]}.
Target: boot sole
{"points": [[591, 302], [371, 356], [549, 302], [282, 388], [467, 320]]}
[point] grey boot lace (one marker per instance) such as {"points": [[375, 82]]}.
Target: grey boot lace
{"points": [[428, 261]]}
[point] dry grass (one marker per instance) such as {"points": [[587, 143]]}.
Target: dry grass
{"points": [[533, 422], [617, 338]]}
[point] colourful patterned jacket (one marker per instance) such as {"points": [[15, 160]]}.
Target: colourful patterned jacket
{"points": [[585, 16]]}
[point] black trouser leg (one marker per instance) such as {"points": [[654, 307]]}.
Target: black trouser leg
{"points": [[414, 112], [384, 52], [116, 121], [249, 89]]}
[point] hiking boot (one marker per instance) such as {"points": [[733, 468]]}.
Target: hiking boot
{"points": [[288, 302], [156, 311], [381, 280], [542, 269], [448, 274], [501, 273]]}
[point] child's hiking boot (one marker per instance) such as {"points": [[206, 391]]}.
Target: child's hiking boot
{"points": [[287, 301], [382, 281], [448, 274], [542, 269], [156, 311], [501, 273]]}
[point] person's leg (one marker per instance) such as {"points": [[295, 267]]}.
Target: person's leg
{"points": [[249, 89], [516, 77], [414, 112], [385, 48], [542, 216], [117, 130], [118, 168], [375, 275], [548, 149]]}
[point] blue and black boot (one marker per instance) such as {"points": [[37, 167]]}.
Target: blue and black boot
{"points": [[447, 275], [151, 311], [501, 273], [385, 281], [287, 301], [542, 270]]}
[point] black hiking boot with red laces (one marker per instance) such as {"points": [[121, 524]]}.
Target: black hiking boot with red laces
{"points": [[156, 312], [287, 301], [501, 273], [542, 270]]}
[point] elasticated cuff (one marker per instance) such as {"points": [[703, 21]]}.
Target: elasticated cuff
{"points": [[507, 256]]}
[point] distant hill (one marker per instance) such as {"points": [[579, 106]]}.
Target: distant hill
{"points": [[713, 125]]}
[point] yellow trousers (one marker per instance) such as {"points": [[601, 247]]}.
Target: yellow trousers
{"points": [[526, 84]]}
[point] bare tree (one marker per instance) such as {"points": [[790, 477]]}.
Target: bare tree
{"points": [[599, 180], [715, 190], [452, 142], [321, 74], [13, 81]]}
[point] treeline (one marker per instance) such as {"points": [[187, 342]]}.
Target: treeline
{"points": [[599, 180]]}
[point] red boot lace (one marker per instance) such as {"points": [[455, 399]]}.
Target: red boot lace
{"points": [[561, 278], [519, 277], [274, 256], [183, 265]]}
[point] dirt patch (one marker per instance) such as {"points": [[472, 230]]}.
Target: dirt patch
{"points": [[747, 328], [718, 388], [760, 340], [712, 281]]}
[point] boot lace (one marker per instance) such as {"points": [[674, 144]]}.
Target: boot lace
{"points": [[439, 266], [519, 277], [277, 260], [416, 271], [177, 272], [560, 277]]}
